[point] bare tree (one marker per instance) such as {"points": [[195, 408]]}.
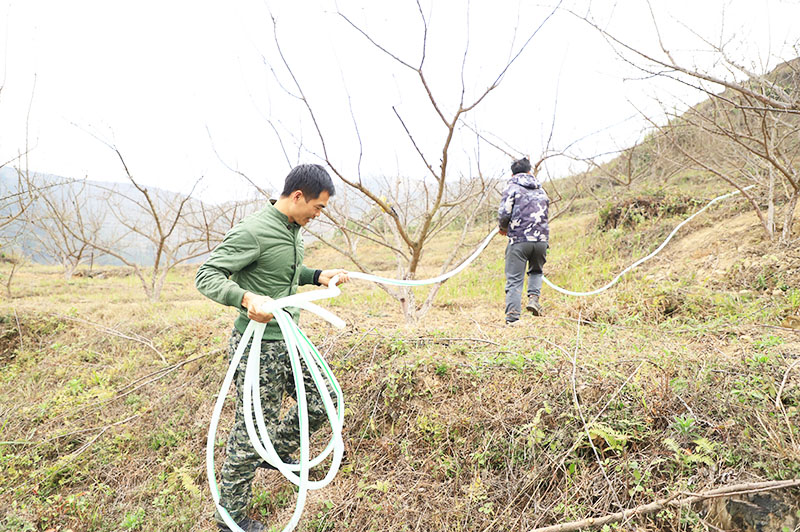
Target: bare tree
{"points": [[747, 133], [212, 220], [15, 260], [163, 223], [65, 224], [16, 197], [17, 194], [653, 158], [744, 145], [404, 215]]}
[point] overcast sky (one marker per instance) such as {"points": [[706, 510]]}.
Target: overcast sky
{"points": [[190, 89]]}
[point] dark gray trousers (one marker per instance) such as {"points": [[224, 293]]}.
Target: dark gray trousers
{"points": [[530, 255]]}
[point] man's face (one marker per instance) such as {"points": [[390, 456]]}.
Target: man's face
{"points": [[306, 210]]}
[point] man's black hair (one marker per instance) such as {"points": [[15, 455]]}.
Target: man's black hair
{"points": [[310, 179], [522, 166]]}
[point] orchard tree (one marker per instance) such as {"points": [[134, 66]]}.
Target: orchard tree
{"points": [[747, 133], [399, 213]]}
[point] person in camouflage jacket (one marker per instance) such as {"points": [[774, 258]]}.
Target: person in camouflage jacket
{"points": [[523, 217], [262, 258]]}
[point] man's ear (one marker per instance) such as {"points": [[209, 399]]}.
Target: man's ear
{"points": [[296, 195]]}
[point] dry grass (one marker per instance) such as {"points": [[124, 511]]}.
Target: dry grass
{"points": [[666, 383]]}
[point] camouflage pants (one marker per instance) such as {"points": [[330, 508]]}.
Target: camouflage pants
{"points": [[241, 459]]}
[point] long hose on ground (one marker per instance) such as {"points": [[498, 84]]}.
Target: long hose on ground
{"points": [[300, 348], [648, 257]]}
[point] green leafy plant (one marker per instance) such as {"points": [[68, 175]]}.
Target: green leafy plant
{"points": [[684, 424], [614, 441], [133, 520], [688, 458]]}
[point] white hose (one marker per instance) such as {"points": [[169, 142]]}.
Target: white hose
{"points": [[300, 348], [433, 280], [643, 259]]}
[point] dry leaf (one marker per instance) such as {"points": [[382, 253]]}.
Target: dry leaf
{"points": [[791, 322]]}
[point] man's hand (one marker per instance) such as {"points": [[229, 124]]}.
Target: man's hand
{"points": [[503, 232], [253, 303], [326, 275]]}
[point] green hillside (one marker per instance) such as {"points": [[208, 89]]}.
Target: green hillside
{"points": [[682, 378]]}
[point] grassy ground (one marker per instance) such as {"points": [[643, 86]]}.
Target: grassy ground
{"points": [[665, 383]]}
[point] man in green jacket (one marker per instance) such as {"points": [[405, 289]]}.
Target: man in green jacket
{"points": [[261, 259]]}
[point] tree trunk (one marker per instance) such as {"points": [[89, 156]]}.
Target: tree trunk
{"points": [[788, 217], [771, 204], [159, 284], [15, 264], [69, 270], [426, 306], [409, 304]]}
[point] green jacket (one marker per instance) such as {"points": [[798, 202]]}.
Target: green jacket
{"points": [[262, 254]]}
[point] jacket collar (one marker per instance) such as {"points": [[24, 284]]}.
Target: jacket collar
{"points": [[270, 208]]}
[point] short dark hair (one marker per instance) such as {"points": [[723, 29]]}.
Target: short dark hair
{"points": [[310, 179], [521, 166]]}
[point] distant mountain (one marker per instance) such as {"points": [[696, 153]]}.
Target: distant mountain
{"points": [[407, 196], [94, 199]]}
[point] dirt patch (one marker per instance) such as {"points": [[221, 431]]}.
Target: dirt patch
{"points": [[731, 254]]}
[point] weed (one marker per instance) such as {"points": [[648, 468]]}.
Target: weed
{"points": [[75, 386], [641, 478], [758, 360], [266, 502], [320, 523], [133, 520], [793, 299], [431, 430], [400, 384], [166, 437], [684, 424], [767, 341], [607, 438], [688, 458], [13, 523], [752, 388], [398, 346]]}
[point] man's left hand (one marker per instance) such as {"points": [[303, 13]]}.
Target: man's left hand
{"points": [[326, 275]]}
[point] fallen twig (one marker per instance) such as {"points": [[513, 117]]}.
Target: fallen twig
{"points": [[19, 330], [787, 329], [737, 489], [783, 382], [350, 351], [86, 445], [114, 332], [437, 340]]}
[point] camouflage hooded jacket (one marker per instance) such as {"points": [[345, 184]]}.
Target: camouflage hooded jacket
{"points": [[523, 210]]}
